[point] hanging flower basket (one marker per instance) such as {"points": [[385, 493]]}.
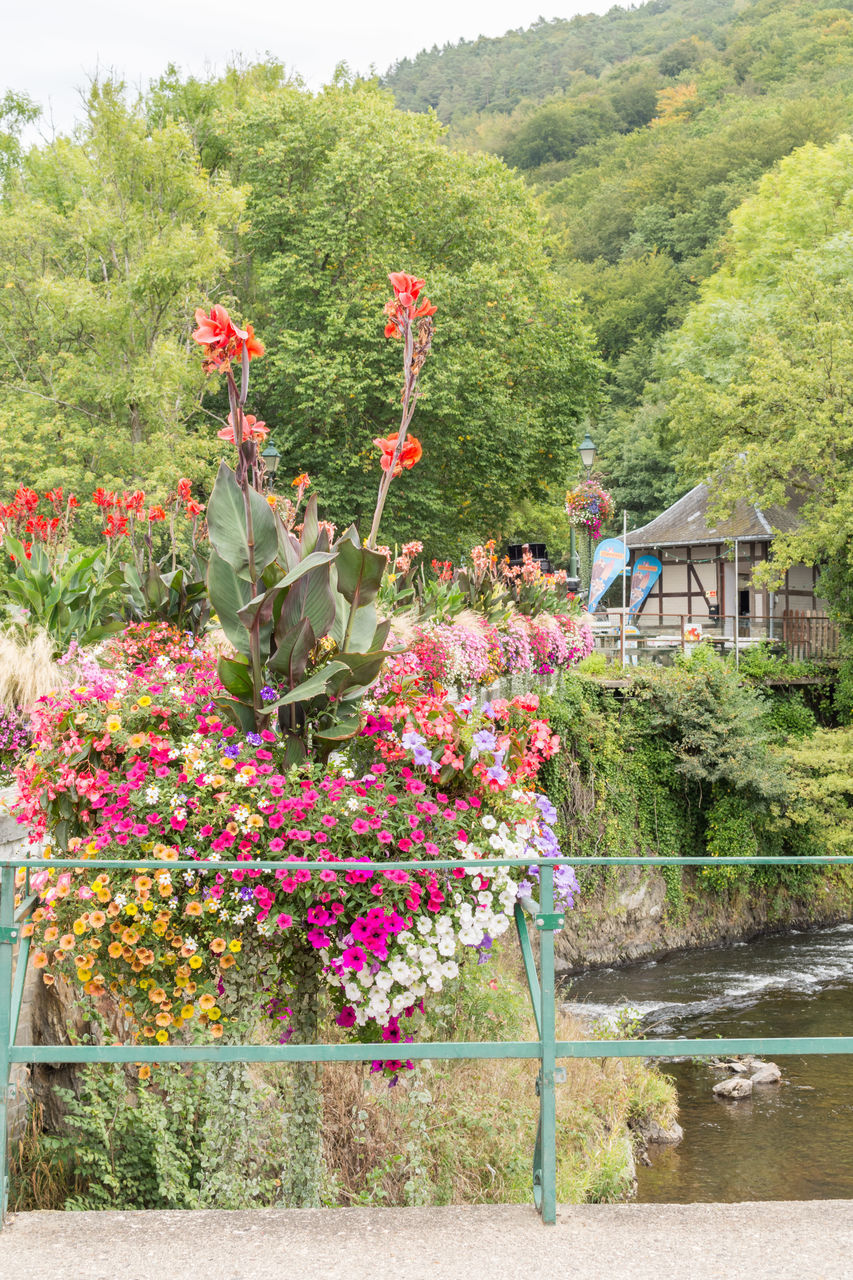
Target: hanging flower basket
{"points": [[588, 505]]}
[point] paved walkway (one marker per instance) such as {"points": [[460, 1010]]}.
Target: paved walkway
{"points": [[770, 1241]]}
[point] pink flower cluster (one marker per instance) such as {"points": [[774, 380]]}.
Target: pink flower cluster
{"points": [[477, 653]]}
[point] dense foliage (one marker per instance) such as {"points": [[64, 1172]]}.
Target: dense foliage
{"points": [[642, 130], [695, 760], [249, 184]]}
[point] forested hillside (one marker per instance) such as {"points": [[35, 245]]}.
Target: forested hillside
{"points": [[641, 131]]}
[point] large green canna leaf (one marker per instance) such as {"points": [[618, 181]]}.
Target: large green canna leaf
{"points": [[228, 595], [310, 527], [318, 603], [359, 572], [226, 522], [312, 561], [236, 677], [310, 688], [294, 649]]}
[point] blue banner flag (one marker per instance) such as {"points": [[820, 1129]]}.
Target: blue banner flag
{"points": [[647, 570], [611, 557]]}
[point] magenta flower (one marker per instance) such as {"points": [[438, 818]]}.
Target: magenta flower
{"points": [[353, 958]]}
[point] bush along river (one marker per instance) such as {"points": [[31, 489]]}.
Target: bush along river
{"points": [[786, 1141]]}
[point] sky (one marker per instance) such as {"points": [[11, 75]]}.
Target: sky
{"points": [[50, 49]]}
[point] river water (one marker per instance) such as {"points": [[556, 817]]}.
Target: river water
{"points": [[792, 1141]]}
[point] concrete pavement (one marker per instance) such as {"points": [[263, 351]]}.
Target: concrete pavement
{"points": [[810, 1240]]}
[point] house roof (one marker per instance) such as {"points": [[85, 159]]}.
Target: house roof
{"points": [[686, 522]]}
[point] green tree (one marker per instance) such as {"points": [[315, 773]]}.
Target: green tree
{"points": [[758, 381], [107, 243], [16, 111], [344, 188]]}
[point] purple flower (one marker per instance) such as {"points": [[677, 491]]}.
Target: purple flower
{"points": [[268, 693], [484, 740], [254, 739]]}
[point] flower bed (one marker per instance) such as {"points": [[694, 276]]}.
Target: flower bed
{"points": [[139, 763]]}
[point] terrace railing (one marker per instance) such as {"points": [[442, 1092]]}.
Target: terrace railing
{"points": [[654, 638], [545, 1049]]}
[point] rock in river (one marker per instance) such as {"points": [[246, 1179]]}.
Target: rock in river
{"points": [[736, 1087], [766, 1073]]}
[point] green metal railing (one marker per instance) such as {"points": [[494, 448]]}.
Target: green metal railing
{"points": [[547, 1049]]}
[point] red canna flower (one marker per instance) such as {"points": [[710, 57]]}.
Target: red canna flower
{"points": [[217, 330], [254, 346], [403, 308], [410, 453], [194, 508], [406, 288], [156, 513], [116, 526], [223, 339], [252, 429], [184, 489]]}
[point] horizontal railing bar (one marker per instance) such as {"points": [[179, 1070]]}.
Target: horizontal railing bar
{"points": [[25, 907], [765, 1045], [426, 864]]}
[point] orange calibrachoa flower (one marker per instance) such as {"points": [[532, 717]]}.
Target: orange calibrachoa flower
{"points": [[410, 453]]}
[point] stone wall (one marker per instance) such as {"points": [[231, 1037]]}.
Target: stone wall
{"points": [[626, 916]]}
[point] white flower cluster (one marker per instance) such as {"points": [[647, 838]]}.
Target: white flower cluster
{"points": [[424, 958]]}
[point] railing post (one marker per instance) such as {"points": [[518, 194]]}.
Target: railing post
{"points": [[547, 921], [7, 942]]}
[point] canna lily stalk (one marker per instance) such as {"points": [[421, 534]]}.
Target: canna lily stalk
{"points": [[410, 320]]}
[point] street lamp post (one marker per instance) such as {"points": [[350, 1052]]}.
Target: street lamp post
{"points": [[271, 458], [587, 452], [586, 449]]}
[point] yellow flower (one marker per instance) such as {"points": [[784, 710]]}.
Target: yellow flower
{"points": [[188, 1011], [144, 1071], [78, 927], [84, 974], [162, 1036], [214, 1013], [235, 945], [131, 909], [144, 701], [113, 724], [195, 962]]}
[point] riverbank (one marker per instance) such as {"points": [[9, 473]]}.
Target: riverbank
{"points": [[629, 914]]}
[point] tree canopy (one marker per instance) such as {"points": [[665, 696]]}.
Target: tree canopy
{"points": [[107, 242], [757, 383], [342, 188]]}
